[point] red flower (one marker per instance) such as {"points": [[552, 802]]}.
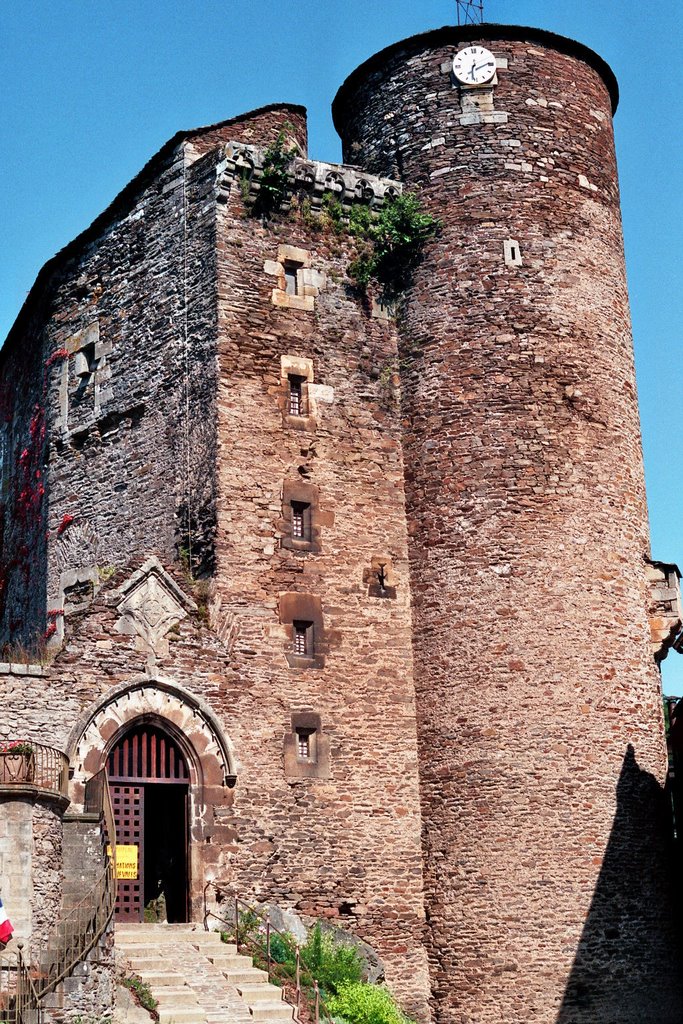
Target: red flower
{"points": [[67, 520]]}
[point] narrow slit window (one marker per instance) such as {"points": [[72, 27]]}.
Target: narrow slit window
{"points": [[303, 638], [291, 278], [303, 744], [296, 395], [301, 511], [512, 252]]}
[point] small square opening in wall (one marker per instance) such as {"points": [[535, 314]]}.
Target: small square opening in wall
{"points": [[305, 744], [512, 252], [306, 748], [85, 361], [306, 643], [291, 277]]}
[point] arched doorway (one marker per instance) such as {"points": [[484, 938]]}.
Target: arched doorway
{"points": [[149, 782]]}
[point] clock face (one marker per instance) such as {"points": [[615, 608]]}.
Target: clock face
{"points": [[474, 65]]}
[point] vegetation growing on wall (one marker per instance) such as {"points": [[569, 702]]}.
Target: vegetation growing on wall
{"points": [[273, 182], [390, 245]]}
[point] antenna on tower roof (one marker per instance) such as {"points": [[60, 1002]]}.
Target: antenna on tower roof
{"points": [[470, 12]]}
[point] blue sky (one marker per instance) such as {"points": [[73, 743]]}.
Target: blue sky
{"points": [[91, 90]]}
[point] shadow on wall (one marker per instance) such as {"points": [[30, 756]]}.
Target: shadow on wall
{"points": [[628, 966]]}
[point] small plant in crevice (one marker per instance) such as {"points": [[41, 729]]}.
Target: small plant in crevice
{"points": [[245, 186], [302, 208], [142, 993], [332, 214], [35, 651], [388, 383]]}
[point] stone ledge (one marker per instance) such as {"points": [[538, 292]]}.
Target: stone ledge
{"points": [[26, 791], [17, 668]]}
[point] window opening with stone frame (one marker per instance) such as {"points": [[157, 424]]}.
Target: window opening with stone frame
{"points": [[301, 520], [305, 744], [291, 278], [296, 395], [303, 638]]}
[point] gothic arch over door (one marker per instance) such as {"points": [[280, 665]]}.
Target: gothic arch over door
{"points": [[212, 765]]}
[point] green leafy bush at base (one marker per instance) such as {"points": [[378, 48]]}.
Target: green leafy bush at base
{"points": [[360, 1003], [332, 964]]}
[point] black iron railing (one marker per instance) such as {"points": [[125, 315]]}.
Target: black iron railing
{"points": [[251, 931], [80, 928], [19, 998]]}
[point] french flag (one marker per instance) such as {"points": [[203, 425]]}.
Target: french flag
{"points": [[6, 928]]}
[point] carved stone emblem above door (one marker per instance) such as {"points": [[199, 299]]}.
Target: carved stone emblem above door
{"points": [[151, 604]]}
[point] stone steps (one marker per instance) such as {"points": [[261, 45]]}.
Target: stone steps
{"points": [[198, 979]]}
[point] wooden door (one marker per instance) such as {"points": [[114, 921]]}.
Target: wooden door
{"points": [[144, 763], [129, 813]]}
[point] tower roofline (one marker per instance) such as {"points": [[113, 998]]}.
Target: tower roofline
{"points": [[462, 33], [122, 202]]}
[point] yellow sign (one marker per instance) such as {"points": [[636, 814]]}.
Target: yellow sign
{"points": [[126, 861]]}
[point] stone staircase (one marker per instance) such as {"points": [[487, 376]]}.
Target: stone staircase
{"points": [[197, 978]]}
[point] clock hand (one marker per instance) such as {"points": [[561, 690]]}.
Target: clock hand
{"points": [[488, 64]]}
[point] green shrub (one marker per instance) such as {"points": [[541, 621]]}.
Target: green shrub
{"points": [[360, 220], [332, 964], [333, 212], [282, 948], [361, 1003], [273, 182], [396, 240]]}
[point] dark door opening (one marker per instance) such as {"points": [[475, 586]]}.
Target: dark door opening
{"points": [[165, 855], [150, 790]]}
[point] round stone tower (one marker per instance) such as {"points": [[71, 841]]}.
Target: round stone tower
{"points": [[541, 742]]}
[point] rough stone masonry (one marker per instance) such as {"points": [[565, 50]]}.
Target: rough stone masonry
{"points": [[381, 579]]}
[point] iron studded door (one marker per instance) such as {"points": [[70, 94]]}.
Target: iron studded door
{"points": [[129, 808]]}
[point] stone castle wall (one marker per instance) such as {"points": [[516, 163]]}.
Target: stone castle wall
{"points": [[344, 458], [540, 726], [177, 443], [109, 377]]}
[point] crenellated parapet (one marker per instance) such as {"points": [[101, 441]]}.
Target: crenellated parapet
{"points": [[314, 179]]}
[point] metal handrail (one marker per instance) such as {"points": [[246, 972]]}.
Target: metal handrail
{"points": [[43, 767], [19, 999], [307, 1010], [80, 928]]}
